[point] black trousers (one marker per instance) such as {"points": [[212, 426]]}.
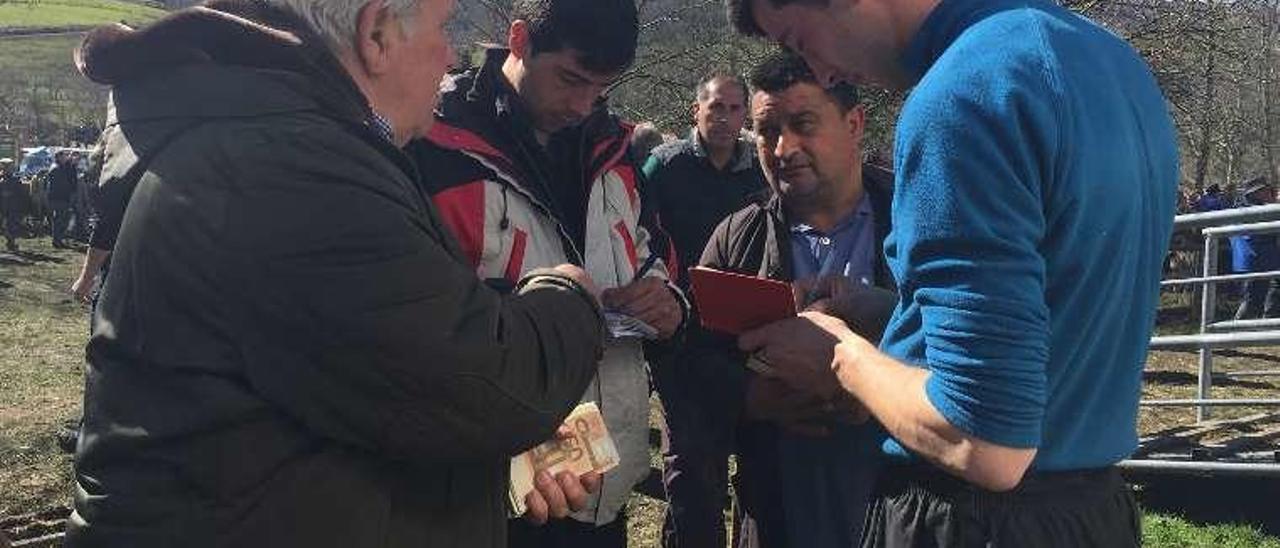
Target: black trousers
{"points": [[568, 533], [920, 506], [695, 473]]}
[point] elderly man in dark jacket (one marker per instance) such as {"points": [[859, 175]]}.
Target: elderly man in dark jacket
{"points": [[290, 349]]}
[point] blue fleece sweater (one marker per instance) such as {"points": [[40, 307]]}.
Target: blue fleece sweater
{"points": [[1037, 171]]}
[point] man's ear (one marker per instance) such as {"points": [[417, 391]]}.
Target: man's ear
{"points": [[376, 30], [693, 112], [518, 39], [856, 119]]}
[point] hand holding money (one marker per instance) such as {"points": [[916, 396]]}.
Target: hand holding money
{"points": [[554, 478]]}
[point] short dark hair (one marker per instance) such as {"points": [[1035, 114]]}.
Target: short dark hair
{"points": [[743, 17], [602, 32], [785, 69], [724, 78]]}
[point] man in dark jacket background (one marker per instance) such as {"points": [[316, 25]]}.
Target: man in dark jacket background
{"points": [[63, 184], [805, 466], [695, 183], [261, 375], [11, 190]]}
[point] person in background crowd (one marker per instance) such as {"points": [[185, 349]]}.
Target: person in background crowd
{"points": [[1213, 199], [644, 138], [695, 183], [64, 181], [1257, 253], [805, 470], [262, 375], [529, 169], [11, 202], [1036, 171]]}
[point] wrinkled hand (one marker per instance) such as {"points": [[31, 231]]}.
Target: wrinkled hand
{"points": [[865, 310], [557, 497], [810, 290], [648, 300], [82, 289], [800, 351], [770, 399]]}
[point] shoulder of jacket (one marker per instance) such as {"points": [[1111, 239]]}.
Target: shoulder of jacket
{"points": [[666, 152], [442, 169]]}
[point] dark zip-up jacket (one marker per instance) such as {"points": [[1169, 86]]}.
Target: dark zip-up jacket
{"points": [[290, 349], [756, 241]]}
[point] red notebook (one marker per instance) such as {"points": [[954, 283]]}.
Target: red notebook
{"points": [[734, 304]]}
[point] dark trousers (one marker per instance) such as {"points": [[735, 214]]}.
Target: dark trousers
{"points": [[568, 533], [12, 224], [60, 217], [920, 506], [1260, 298], [758, 518], [695, 472]]}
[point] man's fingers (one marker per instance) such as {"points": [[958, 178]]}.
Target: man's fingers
{"points": [[537, 508], [574, 494], [557, 507], [647, 290], [648, 306], [592, 481]]}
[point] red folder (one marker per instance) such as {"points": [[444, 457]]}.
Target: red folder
{"points": [[734, 304]]}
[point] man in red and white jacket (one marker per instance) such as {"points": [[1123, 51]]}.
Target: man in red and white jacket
{"points": [[529, 169]]}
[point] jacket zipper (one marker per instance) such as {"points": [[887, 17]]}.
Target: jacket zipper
{"points": [[508, 182]]}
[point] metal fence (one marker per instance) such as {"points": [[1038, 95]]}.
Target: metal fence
{"points": [[1214, 227]]}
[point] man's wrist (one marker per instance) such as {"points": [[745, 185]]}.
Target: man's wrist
{"points": [[848, 361]]}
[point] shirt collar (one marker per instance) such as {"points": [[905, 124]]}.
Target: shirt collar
{"points": [[863, 211], [382, 127], [948, 20], [743, 159]]}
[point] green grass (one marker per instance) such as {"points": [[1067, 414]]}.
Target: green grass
{"points": [[42, 336], [1163, 531], [37, 78], [39, 56], [67, 13]]}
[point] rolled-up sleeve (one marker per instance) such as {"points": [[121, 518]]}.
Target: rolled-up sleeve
{"points": [[969, 226]]}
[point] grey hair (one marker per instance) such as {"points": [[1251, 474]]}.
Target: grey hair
{"points": [[335, 20]]}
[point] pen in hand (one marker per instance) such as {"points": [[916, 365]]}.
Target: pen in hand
{"points": [[646, 267]]}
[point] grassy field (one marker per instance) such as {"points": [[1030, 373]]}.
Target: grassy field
{"points": [[42, 335], [66, 13], [41, 351], [48, 55], [39, 81]]}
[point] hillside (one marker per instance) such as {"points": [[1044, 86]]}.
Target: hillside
{"points": [[17, 14]]}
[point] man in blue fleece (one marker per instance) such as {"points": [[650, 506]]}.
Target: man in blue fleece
{"points": [[1036, 175]]}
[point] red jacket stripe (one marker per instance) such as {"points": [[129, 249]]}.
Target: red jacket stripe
{"points": [[515, 265], [462, 208], [630, 244], [628, 177], [456, 138]]}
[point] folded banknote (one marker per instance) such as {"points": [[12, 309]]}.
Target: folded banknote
{"points": [[588, 449]]}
